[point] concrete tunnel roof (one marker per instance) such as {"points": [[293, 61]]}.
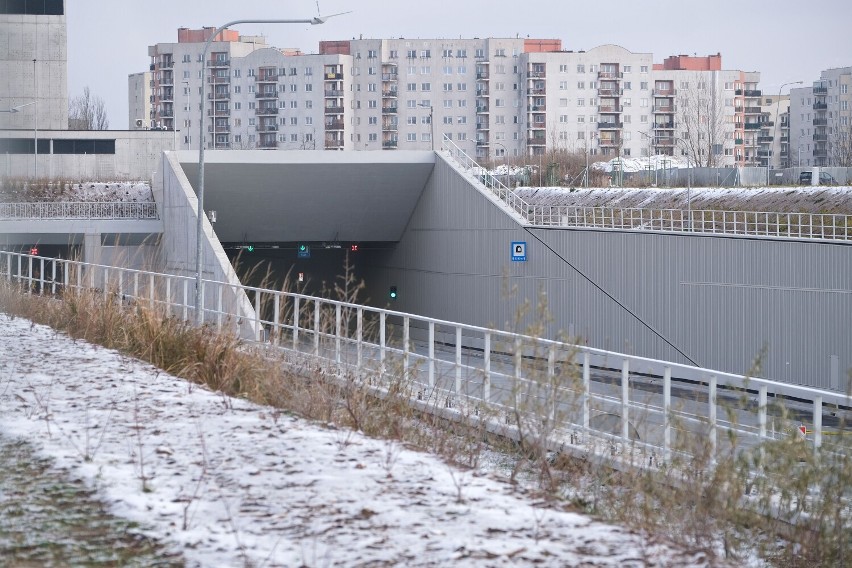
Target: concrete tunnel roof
{"points": [[289, 196]]}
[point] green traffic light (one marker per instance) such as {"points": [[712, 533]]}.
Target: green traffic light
{"points": [[302, 248], [393, 292], [250, 248]]}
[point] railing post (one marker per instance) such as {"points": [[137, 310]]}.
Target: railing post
{"points": [[458, 360], [276, 318], [220, 290], [667, 411], [431, 354], [486, 365], [711, 401], [53, 276], [817, 421], [587, 394], [406, 337], [761, 411], [258, 330], [41, 276], [382, 338], [625, 401], [551, 379], [359, 333], [337, 332], [316, 327], [296, 323]]}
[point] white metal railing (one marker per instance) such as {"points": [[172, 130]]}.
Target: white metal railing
{"points": [[827, 226], [79, 210], [590, 394]]}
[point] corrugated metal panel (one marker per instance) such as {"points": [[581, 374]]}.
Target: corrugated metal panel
{"points": [[721, 301]]}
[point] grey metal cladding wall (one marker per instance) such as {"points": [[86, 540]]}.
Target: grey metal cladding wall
{"points": [[720, 302]]}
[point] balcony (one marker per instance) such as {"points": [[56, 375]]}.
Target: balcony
{"points": [[481, 109], [664, 141], [482, 92], [752, 93], [764, 139], [167, 80], [609, 142], [537, 108], [820, 122], [266, 95], [536, 92], [820, 137], [609, 109], [334, 125], [389, 76], [334, 92], [483, 126], [219, 128], [607, 75], [482, 75], [664, 109], [219, 79], [334, 143], [820, 90], [167, 113], [167, 63], [333, 110], [332, 76], [223, 111], [820, 106], [821, 152], [482, 142], [168, 96], [753, 110], [665, 92], [609, 92], [266, 78], [390, 93], [664, 125], [610, 125], [764, 153], [266, 111], [536, 141], [536, 74], [267, 143], [738, 141], [390, 144], [267, 127], [752, 125], [390, 110], [218, 63]]}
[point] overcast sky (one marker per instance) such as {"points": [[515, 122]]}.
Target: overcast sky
{"points": [[786, 40]]}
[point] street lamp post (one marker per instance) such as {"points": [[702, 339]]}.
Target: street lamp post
{"points": [[199, 258], [775, 128], [35, 123]]}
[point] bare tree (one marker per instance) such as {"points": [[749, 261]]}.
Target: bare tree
{"points": [[841, 146], [87, 112], [701, 120]]}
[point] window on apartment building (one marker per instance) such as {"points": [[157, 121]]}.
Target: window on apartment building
{"points": [[294, 87], [393, 54], [593, 68], [309, 104], [426, 137], [411, 120], [425, 119], [411, 87], [426, 53], [309, 70], [684, 84], [186, 74], [426, 86], [251, 122], [448, 120], [372, 54], [294, 138], [426, 70], [501, 69], [372, 104], [627, 86], [251, 105], [581, 102], [461, 53], [581, 135], [643, 68], [448, 87], [448, 103], [373, 120], [411, 104], [411, 54], [461, 119], [563, 118], [309, 87], [461, 86], [626, 102], [371, 87], [626, 69], [237, 106], [580, 68], [294, 120], [626, 119], [563, 68], [581, 85], [448, 69], [480, 53], [411, 137], [462, 103], [462, 70], [499, 103], [371, 70], [643, 85]]}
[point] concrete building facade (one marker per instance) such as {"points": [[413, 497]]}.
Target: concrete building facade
{"points": [[493, 97], [33, 65], [820, 117]]}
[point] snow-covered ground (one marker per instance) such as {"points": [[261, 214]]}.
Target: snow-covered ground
{"points": [[227, 481]]}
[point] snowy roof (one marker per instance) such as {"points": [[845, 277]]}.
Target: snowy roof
{"points": [[98, 191], [288, 491]]}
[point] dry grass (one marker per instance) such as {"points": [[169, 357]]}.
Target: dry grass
{"points": [[792, 513]]}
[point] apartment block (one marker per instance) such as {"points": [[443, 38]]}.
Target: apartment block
{"points": [[33, 65], [140, 99], [820, 117], [492, 97]]}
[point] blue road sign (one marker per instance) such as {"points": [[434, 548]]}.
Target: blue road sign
{"points": [[519, 251]]}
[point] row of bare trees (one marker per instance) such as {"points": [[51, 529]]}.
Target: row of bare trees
{"points": [[87, 112]]}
